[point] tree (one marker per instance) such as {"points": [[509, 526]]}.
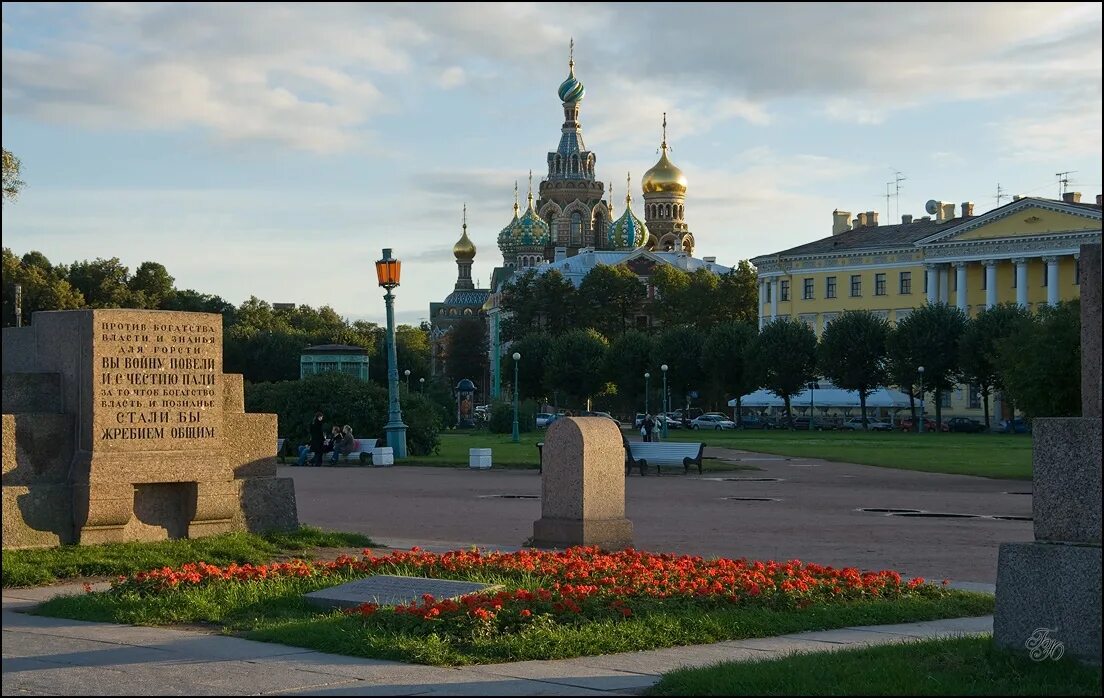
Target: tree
{"points": [[519, 304], [192, 301], [671, 284], [853, 353], [738, 294], [555, 299], [681, 349], [102, 282], [784, 356], [466, 350], [151, 285], [42, 285], [534, 350], [628, 358], [575, 364], [930, 337], [12, 169], [1039, 363], [980, 344], [609, 297], [725, 359]]}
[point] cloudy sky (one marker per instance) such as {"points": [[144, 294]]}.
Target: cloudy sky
{"points": [[273, 150]]}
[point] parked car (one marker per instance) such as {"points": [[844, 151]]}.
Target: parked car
{"points": [[638, 421], [672, 419], [545, 419], [819, 423], [607, 415], [907, 424], [1014, 426], [712, 421], [855, 424], [689, 415], [970, 426], [754, 421]]}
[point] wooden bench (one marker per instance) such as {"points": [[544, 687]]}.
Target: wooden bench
{"points": [[664, 453], [361, 453]]}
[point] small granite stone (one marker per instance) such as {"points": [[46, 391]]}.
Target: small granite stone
{"points": [[1066, 462], [1090, 331], [387, 590]]}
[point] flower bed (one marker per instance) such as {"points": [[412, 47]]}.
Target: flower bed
{"points": [[579, 601]]}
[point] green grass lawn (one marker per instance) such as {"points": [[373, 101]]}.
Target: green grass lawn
{"points": [[986, 455], [273, 610], [46, 565], [969, 666]]}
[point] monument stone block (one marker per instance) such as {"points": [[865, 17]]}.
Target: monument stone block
{"points": [[1090, 331], [1066, 494], [583, 486], [32, 392], [388, 590]]}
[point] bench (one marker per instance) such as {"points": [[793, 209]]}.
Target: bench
{"points": [[664, 453], [361, 453]]}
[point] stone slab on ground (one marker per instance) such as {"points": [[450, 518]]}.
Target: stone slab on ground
{"points": [[1049, 586], [389, 590]]}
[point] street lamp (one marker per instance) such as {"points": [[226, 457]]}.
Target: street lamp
{"points": [[387, 271], [812, 407], [646, 377], [663, 369], [920, 369], [517, 358], [421, 385], [407, 372]]}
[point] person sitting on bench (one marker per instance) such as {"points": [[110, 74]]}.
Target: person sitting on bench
{"points": [[343, 445]]}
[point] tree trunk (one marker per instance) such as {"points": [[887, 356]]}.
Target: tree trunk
{"points": [[862, 407], [938, 408], [985, 402], [789, 413]]}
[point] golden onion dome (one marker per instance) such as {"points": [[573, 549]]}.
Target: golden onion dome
{"points": [[664, 177], [464, 249]]}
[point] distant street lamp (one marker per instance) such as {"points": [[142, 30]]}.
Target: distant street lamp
{"points": [[646, 377], [517, 358], [663, 368], [812, 407], [421, 385], [387, 271], [407, 372], [920, 370]]}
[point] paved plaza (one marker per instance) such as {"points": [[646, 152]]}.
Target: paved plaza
{"points": [[811, 513]]}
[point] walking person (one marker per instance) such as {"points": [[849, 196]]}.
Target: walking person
{"points": [[649, 427]]}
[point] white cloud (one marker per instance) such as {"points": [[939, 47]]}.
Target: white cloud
{"points": [[452, 77]]}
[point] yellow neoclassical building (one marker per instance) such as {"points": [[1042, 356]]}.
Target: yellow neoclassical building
{"points": [[1024, 251]]}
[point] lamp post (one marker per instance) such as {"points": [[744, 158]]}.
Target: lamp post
{"points": [[920, 370], [421, 385], [387, 271], [663, 369], [517, 358], [646, 377], [812, 407], [407, 372]]}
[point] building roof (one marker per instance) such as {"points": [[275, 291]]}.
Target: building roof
{"points": [[873, 237], [335, 349], [469, 297], [576, 268]]}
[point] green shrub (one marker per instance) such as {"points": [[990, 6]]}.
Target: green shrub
{"points": [[502, 417]]}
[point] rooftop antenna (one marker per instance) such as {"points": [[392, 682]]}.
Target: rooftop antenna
{"points": [[1000, 194], [898, 177], [1063, 182], [888, 196]]}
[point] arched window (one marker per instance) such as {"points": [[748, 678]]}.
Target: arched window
{"points": [[599, 230], [467, 312], [576, 228]]}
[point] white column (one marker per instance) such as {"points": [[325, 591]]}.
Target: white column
{"points": [[960, 285], [1021, 281], [1052, 280], [774, 297], [944, 284], [932, 282], [990, 282], [762, 299]]}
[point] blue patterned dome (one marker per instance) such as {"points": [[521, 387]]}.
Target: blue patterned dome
{"points": [[506, 235], [571, 90], [628, 231], [530, 230]]}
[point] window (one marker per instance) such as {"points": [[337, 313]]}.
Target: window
{"points": [[576, 228], [769, 287], [830, 287], [926, 282], [945, 398], [784, 293], [906, 283], [1077, 271], [974, 397], [808, 293], [984, 277], [879, 284], [856, 285], [1015, 273], [1046, 274]]}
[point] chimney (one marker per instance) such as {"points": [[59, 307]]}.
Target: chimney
{"points": [[561, 254], [967, 208], [709, 262], [1072, 197], [926, 218], [1098, 200], [854, 222], [872, 218], [1016, 197], [861, 220], [906, 218], [946, 212], [841, 221]]}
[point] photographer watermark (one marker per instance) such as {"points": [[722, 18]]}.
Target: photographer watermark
{"points": [[1041, 646]]}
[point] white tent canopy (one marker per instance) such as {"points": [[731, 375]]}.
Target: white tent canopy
{"points": [[826, 398]]}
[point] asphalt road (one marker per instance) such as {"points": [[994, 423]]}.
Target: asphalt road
{"points": [[812, 512]]}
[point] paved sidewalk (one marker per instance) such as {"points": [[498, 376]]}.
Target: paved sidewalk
{"points": [[51, 656]]}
